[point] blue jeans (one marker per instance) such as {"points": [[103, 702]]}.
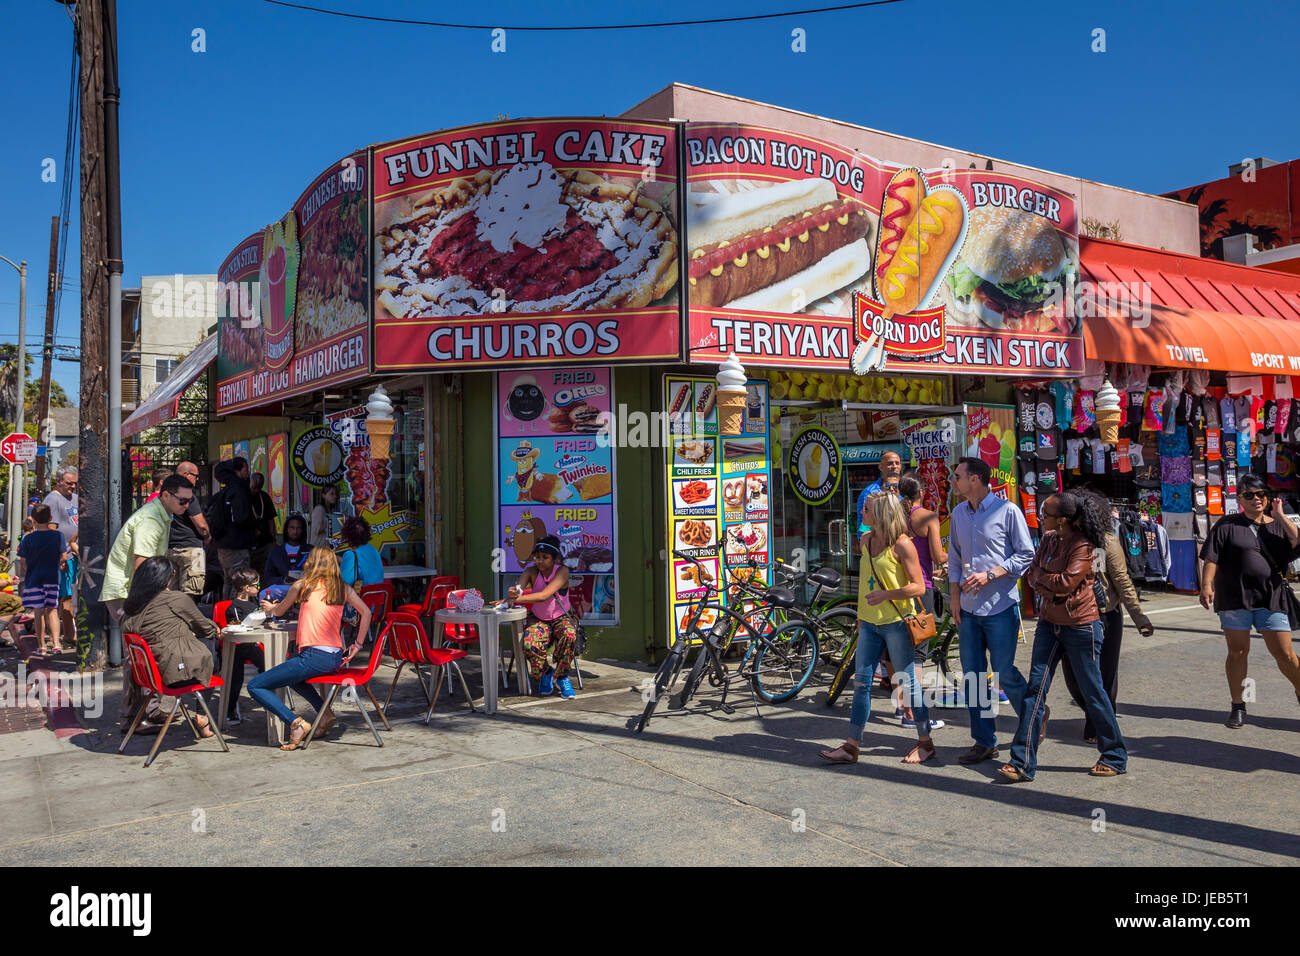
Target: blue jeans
{"points": [[1081, 646], [873, 640], [312, 662], [982, 640]]}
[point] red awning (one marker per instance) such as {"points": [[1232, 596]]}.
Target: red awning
{"points": [[1201, 313], [163, 403]]}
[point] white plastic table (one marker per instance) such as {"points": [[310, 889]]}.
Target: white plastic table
{"points": [[489, 621], [391, 572], [276, 641]]}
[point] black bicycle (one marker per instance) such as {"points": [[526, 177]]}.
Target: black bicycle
{"points": [[778, 660]]}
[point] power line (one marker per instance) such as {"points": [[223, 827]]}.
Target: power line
{"points": [[563, 29], [69, 157]]}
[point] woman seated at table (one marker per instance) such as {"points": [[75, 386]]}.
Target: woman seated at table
{"points": [[183, 641], [288, 556], [360, 564], [322, 596], [544, 587]]}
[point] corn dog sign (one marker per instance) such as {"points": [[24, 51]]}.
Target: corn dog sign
{"points": [[803, 254]]}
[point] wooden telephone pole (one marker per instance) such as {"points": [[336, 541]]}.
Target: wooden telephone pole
{"points": [[47, 356], [92, 531]]}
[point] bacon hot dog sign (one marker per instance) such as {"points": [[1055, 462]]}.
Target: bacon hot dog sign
{"points": [[805, 254], [527, 242]]}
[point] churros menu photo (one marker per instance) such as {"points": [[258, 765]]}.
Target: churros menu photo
{"points": [[527, 241], [718, 487]]}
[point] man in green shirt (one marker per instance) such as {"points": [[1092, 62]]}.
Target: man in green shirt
{"points": [[144, 535]]}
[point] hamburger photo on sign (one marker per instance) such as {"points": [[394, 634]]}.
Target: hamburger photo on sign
{"points": [[1012, 273]]}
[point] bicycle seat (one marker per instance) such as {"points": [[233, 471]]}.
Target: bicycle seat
{"points": [[826, 577], [780, 597]]}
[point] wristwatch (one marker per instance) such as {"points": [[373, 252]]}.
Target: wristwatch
{"points": [[993, 573]]}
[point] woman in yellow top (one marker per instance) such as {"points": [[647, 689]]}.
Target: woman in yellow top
{"points": [[323, 594], [889, 580]]}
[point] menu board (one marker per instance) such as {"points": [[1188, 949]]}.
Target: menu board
{"points": [[554, 477], [719, 511], [370, 489], [991, 437]]}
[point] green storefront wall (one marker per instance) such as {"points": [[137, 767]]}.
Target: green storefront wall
{"points": [[469, 508]]}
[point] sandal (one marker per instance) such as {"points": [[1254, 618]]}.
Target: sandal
{"points": [[297, 734], [1014, 773], [1100, 769], [201, 722], [928, 751], [848, 756]]}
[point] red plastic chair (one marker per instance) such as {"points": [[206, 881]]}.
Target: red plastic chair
{"points": [[409, 644], [353, 677], [145, 670], [450, 581], [379, 598]]}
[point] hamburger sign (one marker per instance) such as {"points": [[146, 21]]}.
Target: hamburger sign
{"points": [[805, 255]]}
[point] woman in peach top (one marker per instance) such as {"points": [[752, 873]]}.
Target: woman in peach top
{"points": [[322, 594]]}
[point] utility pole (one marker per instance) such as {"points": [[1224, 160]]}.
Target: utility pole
{"points": [[92, 536], [47, 354]]}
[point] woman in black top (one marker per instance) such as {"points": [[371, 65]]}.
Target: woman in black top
{"points": [[1244, 557]]}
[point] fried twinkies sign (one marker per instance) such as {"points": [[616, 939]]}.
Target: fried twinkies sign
{"points": [[526, 242]]}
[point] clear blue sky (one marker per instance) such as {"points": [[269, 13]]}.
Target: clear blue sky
{"points": [[216, 144]]}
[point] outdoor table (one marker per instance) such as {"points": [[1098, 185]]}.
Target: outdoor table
{"points": [[391, 572], [276, 641], [489, 621]]}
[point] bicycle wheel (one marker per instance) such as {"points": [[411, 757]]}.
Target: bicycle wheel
{"points": [[844, 674], [694, 677], [668, 670], [784, 662], [948, 656], [837, 629]]}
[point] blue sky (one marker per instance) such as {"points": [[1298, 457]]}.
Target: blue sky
{"points": [[216, 144]]}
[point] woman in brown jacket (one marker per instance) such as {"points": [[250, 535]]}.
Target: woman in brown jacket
{"points": [[1121, 595], [172, 626], [1069, 625]]}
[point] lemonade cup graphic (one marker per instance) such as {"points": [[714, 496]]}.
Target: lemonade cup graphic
{"points": [[275, 272]]}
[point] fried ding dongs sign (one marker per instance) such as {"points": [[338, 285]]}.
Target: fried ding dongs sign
{"points": [[805, 254], [303, 321], [526, 242]]}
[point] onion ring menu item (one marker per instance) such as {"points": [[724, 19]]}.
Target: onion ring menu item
{"points": [[716, 486]]}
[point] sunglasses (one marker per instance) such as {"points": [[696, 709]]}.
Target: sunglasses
{"points": [[1048, 514], [184, 501], [1253, 495]]}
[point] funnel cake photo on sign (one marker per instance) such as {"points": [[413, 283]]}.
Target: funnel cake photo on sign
{"points": [[528, 238]]}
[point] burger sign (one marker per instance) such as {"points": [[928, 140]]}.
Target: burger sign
{"points": [[968, 277]]}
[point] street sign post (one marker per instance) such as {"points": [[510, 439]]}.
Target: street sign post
{"points": [[18, 448]]}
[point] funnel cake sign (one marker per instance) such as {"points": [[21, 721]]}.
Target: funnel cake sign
{"points": [[526, 242]]}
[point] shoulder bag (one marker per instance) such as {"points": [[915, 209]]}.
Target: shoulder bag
{"points": [[920, 623], [1290, 603]]}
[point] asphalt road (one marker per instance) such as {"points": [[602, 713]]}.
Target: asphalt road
{"points": [[564, 782]]}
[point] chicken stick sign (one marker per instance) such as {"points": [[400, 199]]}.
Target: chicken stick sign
{"points": [[804, 254]]}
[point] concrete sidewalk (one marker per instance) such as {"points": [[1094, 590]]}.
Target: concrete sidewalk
{"points": [[552, 781]]}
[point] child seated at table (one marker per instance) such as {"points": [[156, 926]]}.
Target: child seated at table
{"points": [[244, 581], [552, 627]]}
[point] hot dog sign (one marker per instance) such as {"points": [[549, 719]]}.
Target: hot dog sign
{"points": [[803, 254]]}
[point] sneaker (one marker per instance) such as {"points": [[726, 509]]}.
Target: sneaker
{"points": [[1002, 697], [1237, 719], [546, 685], [566, 688], [234, 717], [934, 724]]}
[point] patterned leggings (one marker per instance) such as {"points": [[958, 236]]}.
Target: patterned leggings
{"points": [[539, 636]]}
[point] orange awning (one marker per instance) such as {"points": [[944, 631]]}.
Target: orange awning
{"points": [[1202, 313]]}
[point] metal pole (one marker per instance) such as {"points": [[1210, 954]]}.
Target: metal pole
{"points": [[17, 493], [113, 225]]}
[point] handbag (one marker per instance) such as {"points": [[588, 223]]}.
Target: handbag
{"points": [[919, 624], [1290, 603]]}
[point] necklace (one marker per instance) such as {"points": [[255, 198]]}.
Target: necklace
{"points": [[259, 508]]}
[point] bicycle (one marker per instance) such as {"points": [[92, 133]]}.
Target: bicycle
{"points": [[943, 652], [835, 621], [777, 663]]}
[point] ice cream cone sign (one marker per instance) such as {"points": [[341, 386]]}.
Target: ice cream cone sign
{"points": [[733, 396], [1107, 408], [379, 423]]}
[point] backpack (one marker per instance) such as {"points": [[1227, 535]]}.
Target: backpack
{"points": [[217, 514]]}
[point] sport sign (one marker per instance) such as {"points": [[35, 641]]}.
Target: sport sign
{"points": [[18, 448]]}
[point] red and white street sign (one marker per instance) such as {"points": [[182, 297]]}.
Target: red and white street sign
{"points": [[18, 449]]}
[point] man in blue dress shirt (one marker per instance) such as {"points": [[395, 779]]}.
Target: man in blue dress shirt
{"points": [[989, 549], [891, 467]]}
